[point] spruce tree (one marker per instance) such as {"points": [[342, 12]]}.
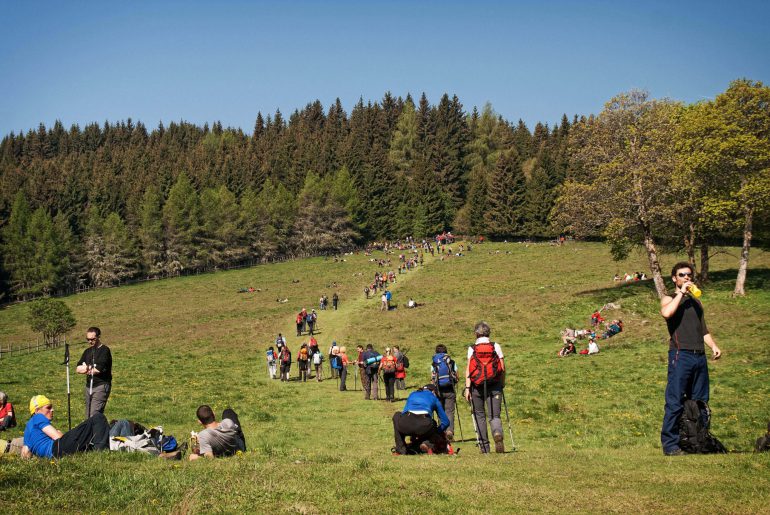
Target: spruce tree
{"points": [[181, 226], [507, 188]]}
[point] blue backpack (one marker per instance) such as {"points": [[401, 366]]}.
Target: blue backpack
{"points": [[336, 362], [444, 369]]}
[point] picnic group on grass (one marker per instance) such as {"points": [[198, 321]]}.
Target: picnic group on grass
{"points": [[427, 423]]}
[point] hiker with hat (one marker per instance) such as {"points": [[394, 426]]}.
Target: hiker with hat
{"points": [[416, 421], [484, 381], [218, 438], [42, 439], [7, 415], [96, 364]]}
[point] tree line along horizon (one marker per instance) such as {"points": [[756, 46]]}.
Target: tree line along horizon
{"points": [[108, 203]]}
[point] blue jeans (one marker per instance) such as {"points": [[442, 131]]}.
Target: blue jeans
{"points": [[688, 378]]}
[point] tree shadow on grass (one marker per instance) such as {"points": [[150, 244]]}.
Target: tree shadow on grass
{"points": [[722, 280]]}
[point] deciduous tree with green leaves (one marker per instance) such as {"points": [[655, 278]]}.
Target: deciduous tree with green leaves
{"points": [[51, 317]]}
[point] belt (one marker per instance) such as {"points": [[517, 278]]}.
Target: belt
{"points": [[701, 352]]}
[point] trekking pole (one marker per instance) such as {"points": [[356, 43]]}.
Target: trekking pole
{"points": [[91, 388], [508, 419], [475, 427], [67, 363], [355, 378], [457, 414]]}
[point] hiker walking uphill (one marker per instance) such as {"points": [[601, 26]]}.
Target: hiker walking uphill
{"points": [[272, 359], [388, 369], [302, 362], [444, 375], [484, 381], [688, 375], [371, 361], [96, 364], [285, 360]]}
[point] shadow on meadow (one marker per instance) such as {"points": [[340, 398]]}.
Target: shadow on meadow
{"points": [[722, 280]]}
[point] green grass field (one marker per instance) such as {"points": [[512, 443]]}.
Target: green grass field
{"points": [[586, 428]]}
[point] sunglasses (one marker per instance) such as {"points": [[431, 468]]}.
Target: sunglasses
{"points": [[684, 274]]}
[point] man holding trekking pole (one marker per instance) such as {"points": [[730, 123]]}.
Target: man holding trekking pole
{"points": [[96, 364], [484, 381]]}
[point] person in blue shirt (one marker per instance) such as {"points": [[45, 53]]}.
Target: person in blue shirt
{"points": [[43, 440], [416, 421]]}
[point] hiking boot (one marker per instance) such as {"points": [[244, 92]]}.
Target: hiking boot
{"points": [[675, 452], [394, 452], [499, 443], [425, 448]]}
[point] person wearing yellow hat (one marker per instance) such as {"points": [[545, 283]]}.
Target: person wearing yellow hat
{"points": [[42, 439]]}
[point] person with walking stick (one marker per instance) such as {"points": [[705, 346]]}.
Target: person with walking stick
{"points": [[96, 364], [484, 381], [444, 375]]}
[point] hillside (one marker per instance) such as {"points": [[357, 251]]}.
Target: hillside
{"points": [[586, 428]]}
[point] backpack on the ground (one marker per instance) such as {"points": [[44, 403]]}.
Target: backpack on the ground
{"points": [[444, 369], [484, 365], [763, 442], [388, 365], [694, 435]]}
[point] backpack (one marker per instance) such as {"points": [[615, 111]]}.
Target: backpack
{"points": [[694, 435], [336, 362], [484, 365], [388, 365], [317, 358], [302, 355], [444, 368], [285, 355]]}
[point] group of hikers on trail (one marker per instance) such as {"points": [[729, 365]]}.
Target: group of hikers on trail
{"points": [[306, 322]]}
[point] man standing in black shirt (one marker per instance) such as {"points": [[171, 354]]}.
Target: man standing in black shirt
{"points": [[96, 364], [688, 376]]}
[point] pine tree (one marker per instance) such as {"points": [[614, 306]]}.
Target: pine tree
{"points": [[403, 145], [506, 196], [181, 226], [151, 239], [17, 245]]}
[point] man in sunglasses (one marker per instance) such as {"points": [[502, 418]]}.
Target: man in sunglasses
{"points": [[688, 376], [96, 364]]}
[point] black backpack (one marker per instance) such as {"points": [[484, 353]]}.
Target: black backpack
{"points": [[763, 442], [694, 435]]}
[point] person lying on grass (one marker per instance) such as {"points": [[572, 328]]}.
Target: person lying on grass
{"points": [[42, 439], [218, 439]]}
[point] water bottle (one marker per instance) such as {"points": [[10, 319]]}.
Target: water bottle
{"points": [[694, 290]]}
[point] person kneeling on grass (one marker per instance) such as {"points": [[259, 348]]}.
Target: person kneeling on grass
{"points": [[43, 440], [218, 439], [416, 421]]}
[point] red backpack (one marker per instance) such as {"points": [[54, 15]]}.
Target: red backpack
{"points": [[484, 364]]}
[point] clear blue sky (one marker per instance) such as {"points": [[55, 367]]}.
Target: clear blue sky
{"points": [[203, 61]]}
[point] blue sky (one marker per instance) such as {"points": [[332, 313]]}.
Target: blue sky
{"points": [[203, 61]]}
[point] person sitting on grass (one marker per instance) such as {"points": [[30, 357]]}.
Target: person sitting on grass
{"points": [[42, 439], [218, 439], [7, 415], [568, 348], [615, 327]]}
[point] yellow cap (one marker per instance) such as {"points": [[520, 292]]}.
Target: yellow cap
{"points": [[37, 402]]}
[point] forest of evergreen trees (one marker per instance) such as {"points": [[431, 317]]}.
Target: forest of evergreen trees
{"points": [[99, 205]]}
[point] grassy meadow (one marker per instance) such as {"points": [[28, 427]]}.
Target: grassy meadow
{"points": [[586, 428]]}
